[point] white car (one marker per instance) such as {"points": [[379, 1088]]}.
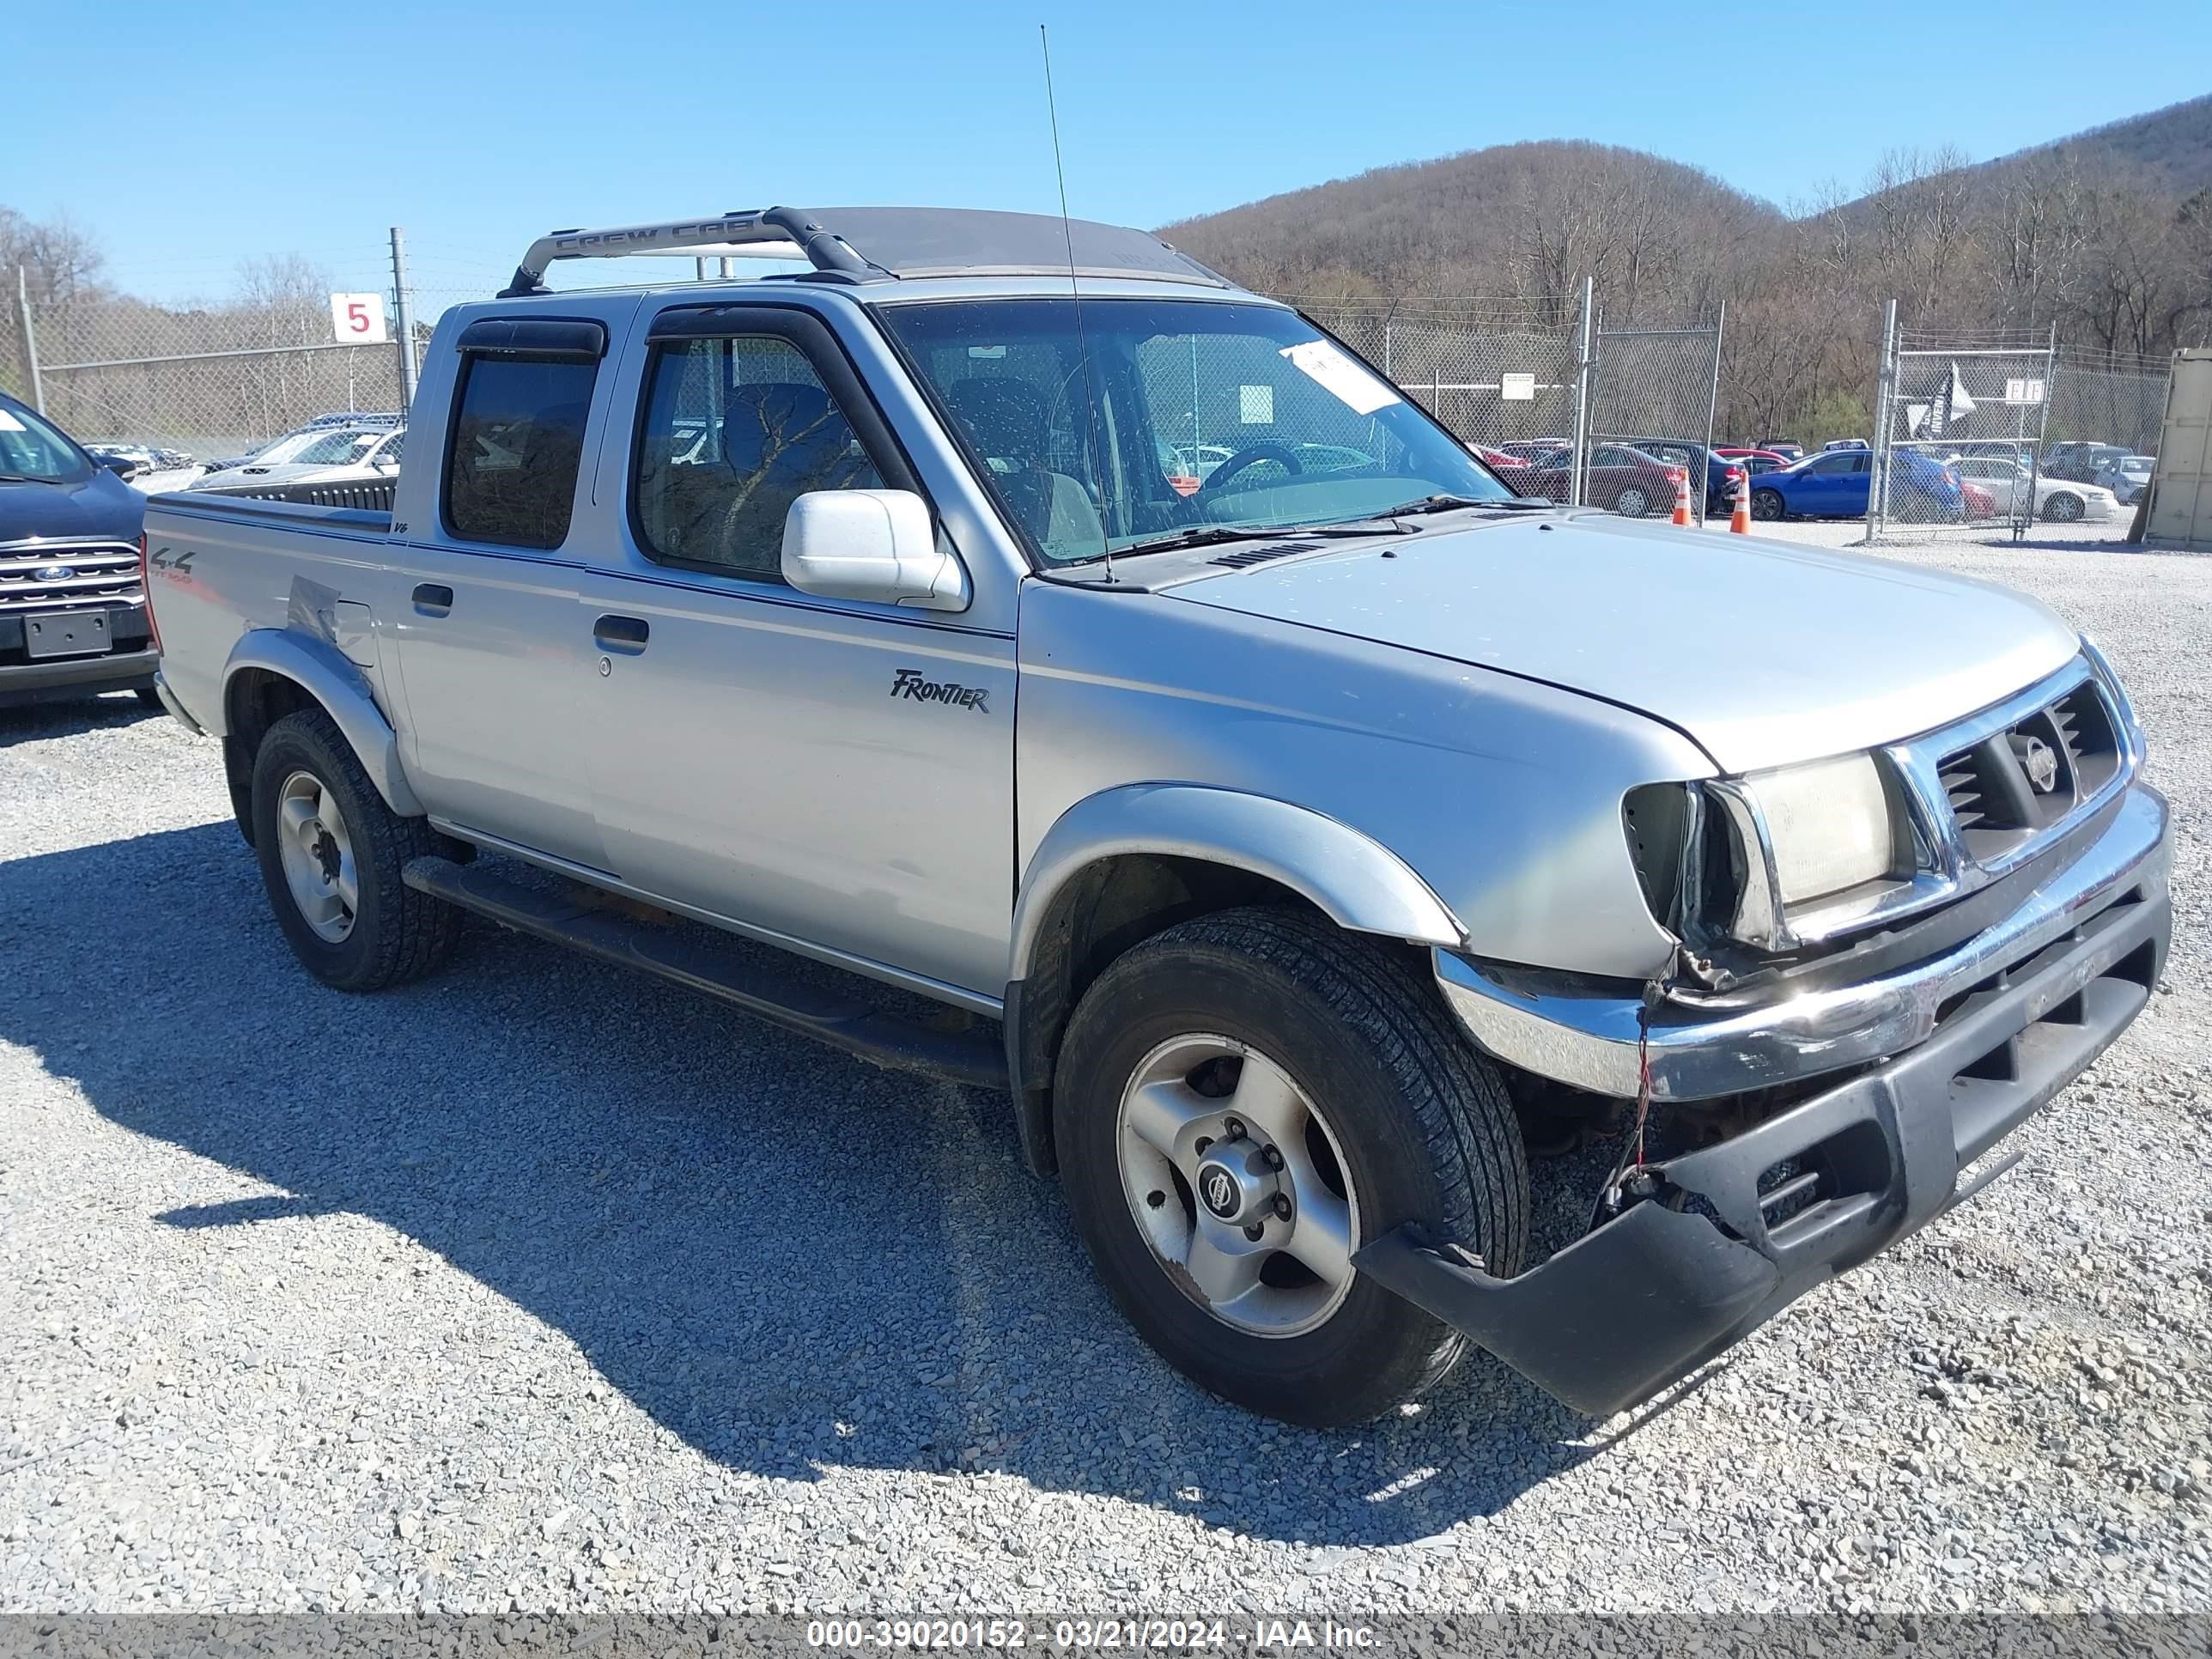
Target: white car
{"points": [[332, 455], [2056, 500]]}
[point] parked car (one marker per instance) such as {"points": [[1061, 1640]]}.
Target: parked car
{"points": [[1619, 479], [1536, 449], [1495, 458], [125, 460], [302, 435], [2127, 478], [1787, 448], [72, 606], [1977, 501], [1720, 474], [1286, 841], [329, 455], [1758, 461], [2057, 499], [2078, 462], [1837, 485]]}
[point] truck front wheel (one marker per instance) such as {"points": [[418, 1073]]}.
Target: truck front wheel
{"points": [[1243, 1101], [331, 853]]}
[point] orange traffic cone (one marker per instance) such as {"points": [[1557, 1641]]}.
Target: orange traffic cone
{"points": [[1681, 495], [1739, 518]]}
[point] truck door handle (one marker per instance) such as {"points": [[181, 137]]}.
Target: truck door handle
{"points": [[627, 635], [434, 598]]}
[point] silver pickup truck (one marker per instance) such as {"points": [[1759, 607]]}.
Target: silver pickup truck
{"points": [[1298, 825]]}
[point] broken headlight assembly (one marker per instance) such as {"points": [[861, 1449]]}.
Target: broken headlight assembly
{"points": [[1773, 860]]}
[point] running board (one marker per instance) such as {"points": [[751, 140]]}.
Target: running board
{"points": [[885, 1040]]}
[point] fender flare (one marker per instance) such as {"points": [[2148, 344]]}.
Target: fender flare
{"points": [[1350, 877], [1354, 881], [325, 674]]}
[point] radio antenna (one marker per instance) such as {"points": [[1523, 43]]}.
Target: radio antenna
{"points": [[1075, 292]]}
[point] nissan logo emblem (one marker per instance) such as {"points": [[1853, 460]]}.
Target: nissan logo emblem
{"points": [[1219, 1188], [2040, 762]]}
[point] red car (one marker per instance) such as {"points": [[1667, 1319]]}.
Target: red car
{"points": [[1495, 458], [1624, 480], [1976, 502]]}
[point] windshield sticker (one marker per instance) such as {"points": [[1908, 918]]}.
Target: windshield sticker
{"points": [[9, 423], [1341, 378], [1255, 405]]}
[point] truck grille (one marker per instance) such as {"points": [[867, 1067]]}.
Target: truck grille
{"points": [[65, 576], [2016, 785]]}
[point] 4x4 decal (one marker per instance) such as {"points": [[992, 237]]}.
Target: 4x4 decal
{"points": [[912, 682]]}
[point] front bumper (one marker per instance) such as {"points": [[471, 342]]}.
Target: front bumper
{"points": [[1555, 1028], [130, 661], [1742, 1228]]}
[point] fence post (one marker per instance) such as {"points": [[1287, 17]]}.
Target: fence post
{"points": [[403, 309], [1713, 411], [30, 341], [1885, 396], [2042, 426], [1576, 467]]}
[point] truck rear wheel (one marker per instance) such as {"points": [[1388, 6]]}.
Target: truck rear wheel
{"points": [[1243, 1101], [331, 853]]}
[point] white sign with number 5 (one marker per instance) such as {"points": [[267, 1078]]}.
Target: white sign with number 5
{"points": [[358, 319]]}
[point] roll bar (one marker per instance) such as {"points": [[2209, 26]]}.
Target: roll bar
{"points": [[776, 233]]}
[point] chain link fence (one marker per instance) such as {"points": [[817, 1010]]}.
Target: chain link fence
{"points": [[210, 381], [1600, 417], [1991, 431], [1496, 373]]}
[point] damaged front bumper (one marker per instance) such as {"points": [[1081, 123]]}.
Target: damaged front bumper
{"points": [[1957, 1052]]}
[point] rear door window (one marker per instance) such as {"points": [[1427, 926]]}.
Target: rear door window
{"points": [[516, 446], [734, 429]]}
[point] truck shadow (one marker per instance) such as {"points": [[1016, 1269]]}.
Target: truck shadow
{"points": [[22, 720], [788, 1258]]}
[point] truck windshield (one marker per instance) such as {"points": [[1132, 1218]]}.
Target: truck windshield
{"points": [[33, 452], [1153, 419]]}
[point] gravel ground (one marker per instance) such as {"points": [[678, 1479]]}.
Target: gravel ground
{"points": [[541, 1285]]}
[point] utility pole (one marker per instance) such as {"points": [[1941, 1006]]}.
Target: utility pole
{"points": [[404, 315], [30, 341], [1577, 463], [1713, 410]]}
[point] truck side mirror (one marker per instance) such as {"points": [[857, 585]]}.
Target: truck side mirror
{"points": [[876, 544]]}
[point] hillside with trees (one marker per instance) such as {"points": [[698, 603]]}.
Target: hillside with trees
{"points": [[2107, 235]]}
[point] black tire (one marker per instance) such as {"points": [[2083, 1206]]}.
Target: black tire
{"points": [[397, 934], [1632, 503], [2063, 507], [148, 697], [1426, 1129], [1768, 507]]}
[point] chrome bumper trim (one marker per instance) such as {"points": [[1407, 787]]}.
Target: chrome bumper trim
{"points": [[1590, 1042]]}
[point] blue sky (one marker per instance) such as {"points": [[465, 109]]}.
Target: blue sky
{"points": [[227, 131]]}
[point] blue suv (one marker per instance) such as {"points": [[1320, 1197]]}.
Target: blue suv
{"points": [[1836, 484], [72, 609]]}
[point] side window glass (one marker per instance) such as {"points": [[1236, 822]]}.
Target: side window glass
{"points": [[517, 439], [735, 430]]}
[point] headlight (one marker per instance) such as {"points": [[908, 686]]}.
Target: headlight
{"points": [[1827, 826], [1729, 859]]}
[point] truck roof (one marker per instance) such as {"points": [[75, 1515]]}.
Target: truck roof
{"points": [[864, 244]]}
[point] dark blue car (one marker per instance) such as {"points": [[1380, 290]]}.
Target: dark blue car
{"points": [[72, 611], [1836, 483]]}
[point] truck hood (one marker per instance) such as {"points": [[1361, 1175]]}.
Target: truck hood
{"points": [[1764, 652], [101, 506]]}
